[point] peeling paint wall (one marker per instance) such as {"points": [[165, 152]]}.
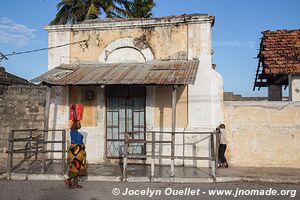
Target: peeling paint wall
{"points": [[78, 96], [173, 38], [263, 134], [93, 124]]}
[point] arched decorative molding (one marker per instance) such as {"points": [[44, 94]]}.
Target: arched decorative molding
{"points": [[131, 46]]}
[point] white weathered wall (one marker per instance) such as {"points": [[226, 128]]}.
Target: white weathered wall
{"points": [[57, 56], [58, 117], [295, 87], [217, 103], [205, 96], [262, 133], [95, 145]]}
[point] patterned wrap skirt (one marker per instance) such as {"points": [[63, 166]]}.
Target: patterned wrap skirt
{"points": [[77, 160]]}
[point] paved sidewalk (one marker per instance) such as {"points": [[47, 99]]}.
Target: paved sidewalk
{"points": [[141, 173], [56, 190]]}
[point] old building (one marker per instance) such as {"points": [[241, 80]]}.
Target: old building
{"points": [[279, 63], [265, 133], [125, 71], [7, 79]]}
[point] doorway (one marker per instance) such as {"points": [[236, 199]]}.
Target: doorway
{"points": [[126, 107]]}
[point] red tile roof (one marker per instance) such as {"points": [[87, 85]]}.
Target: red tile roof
{"points": [[280, 51]]}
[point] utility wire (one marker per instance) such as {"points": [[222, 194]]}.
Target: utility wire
{"points": [[35, 50], [2, 56]]}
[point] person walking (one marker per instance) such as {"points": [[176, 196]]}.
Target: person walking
{"points": [[222, 147], [76, 154]]}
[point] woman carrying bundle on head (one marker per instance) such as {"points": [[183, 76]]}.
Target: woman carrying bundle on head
{"points": [[76, 153]]}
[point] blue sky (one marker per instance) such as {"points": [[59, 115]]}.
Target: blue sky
{"points": [[236, 34]]}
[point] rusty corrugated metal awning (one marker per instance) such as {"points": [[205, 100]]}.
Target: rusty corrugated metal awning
{"points": [[159, 73]]}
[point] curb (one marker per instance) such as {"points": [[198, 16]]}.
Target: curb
{"points": [[3, 176], [277, 179], [282, 179], [103, 178]]}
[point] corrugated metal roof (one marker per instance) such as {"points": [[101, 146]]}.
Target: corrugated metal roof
{"points": [[55, 74], [160, 73]]}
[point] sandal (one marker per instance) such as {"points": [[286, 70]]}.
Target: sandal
{"points": [[226, 165], [77, 186], [68, 183]]}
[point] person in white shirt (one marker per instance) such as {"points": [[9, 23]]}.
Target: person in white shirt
{"points": [[222, 146]]}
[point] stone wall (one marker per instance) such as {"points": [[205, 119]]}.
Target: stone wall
{"points": [[230, 96], [21, 107], [262, 133]]}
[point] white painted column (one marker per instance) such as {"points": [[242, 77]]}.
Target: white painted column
{"points": [[199, 94], [59, 108], [150, 107], [150, 112], [58, 116], [205, 96]]}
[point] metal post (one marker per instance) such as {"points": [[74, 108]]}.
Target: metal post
{"points": [[30, 152], [47, 109], [46, 125], [153, 156], [212, 153], [217, 149], [216, 155], [63, 166], [43, 152], [125, 156], [10, 154], [183, 148], [36, 147], [290, 87], [174, 97], [25, 152]]}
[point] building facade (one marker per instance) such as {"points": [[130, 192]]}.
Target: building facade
{"points": [[139, 99]]}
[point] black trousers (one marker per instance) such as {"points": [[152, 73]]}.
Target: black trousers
{"points": [[222, 149]]}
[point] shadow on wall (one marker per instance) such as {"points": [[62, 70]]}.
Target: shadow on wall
{"points": [[185, 145], [85, 136]]}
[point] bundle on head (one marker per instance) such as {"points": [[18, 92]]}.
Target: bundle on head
{"points": [[76, 124]]}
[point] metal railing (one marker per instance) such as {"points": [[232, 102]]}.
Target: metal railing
{"points": [[213, 148], [36, 143]]}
